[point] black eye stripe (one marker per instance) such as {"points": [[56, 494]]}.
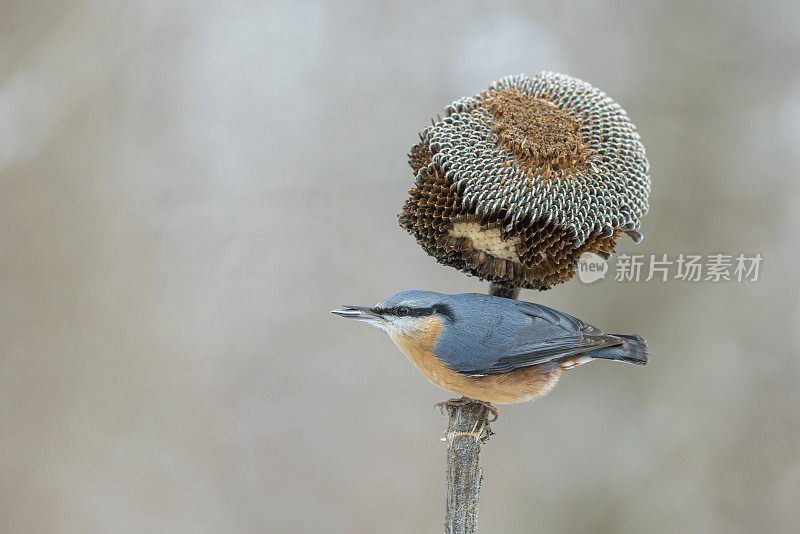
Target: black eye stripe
{"points": [[444, 310], [440, 309]]}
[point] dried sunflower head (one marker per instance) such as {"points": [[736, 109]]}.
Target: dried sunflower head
{"points": [[515, 183]]}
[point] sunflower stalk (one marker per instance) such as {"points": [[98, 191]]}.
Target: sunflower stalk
{"points": [[467, 429]]}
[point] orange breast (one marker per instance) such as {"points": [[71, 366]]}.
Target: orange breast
{"points": [[517, 386]]}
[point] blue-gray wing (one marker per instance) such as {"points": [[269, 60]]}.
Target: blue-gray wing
{"points": [[521, 335]]}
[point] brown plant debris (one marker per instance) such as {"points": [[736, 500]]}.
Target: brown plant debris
{"points": [[542, 253], [537, 133]]}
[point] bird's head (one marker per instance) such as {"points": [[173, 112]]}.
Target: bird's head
{"points": [[409, 312]]}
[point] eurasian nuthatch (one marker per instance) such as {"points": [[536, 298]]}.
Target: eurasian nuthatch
{"points": [[492, 349]]}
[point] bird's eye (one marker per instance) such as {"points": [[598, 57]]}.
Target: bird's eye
{"points": [[402, 311]]}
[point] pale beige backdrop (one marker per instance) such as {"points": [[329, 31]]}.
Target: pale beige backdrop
{"points": [[186, 189]]}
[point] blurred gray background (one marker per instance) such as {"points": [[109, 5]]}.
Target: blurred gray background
{"points": [[187, 188]]}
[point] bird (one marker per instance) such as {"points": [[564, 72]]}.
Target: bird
{"points": [[491, 349]]}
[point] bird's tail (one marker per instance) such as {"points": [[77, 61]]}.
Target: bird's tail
{"points": [[632, 350]]}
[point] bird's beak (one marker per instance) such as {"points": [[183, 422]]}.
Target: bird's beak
{"points": [[359, 313]]}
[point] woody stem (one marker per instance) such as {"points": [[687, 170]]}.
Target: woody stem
{"points": [[505, 292], [467, 429]]}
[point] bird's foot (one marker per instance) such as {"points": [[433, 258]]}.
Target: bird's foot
{"points": [[461, 401]]}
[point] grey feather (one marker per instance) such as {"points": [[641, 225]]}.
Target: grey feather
{"points": [[489, 335]]}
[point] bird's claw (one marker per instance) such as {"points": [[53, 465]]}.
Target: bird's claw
{"points": [[461, 401]]}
